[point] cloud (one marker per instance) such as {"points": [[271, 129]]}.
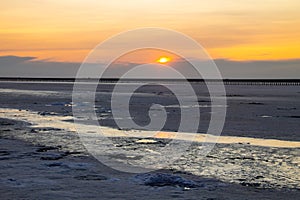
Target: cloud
{"points": [[14, 66], [281, 69], [8, 60]]}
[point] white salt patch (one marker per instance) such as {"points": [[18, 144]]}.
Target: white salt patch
{"points": [[29, 92], [146, 141], [266, 116]]}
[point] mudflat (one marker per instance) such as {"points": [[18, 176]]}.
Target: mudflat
{"points": [[41, 156]]}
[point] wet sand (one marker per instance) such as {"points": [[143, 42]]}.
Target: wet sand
{"points": [[31, 170], [43, 157]]}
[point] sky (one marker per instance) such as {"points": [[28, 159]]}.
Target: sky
{"points": [[65, 31]]}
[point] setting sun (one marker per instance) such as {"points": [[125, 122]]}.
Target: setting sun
{"points": [[163, 60]]}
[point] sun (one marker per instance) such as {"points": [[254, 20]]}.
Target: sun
{"points": [[163, 60]]}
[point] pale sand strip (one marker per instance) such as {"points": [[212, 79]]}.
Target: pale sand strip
{"points": [[57, 122]]}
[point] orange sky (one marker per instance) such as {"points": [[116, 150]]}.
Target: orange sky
{"points": [[66, 30]]}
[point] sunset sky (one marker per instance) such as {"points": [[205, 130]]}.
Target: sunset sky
{"points": [[234, 30]]}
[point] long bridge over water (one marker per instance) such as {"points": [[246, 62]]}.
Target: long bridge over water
{"points": [[273, 82]]}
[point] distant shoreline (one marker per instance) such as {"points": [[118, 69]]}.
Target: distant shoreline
{"points": [[114, 80]]}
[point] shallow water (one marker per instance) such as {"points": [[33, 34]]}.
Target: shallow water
{"points": [[268, 112]]}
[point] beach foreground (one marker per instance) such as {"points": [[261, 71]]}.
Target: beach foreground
{"points": [[42, 157], [31, 171]]}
